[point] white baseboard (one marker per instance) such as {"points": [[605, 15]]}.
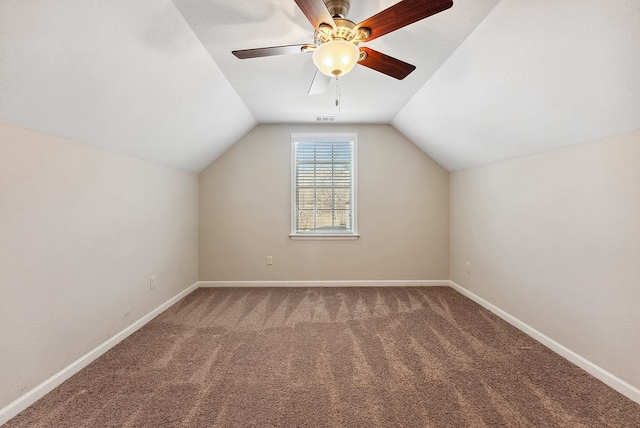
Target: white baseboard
{"points": [[45, 387], [596, 371], [346, 283]]}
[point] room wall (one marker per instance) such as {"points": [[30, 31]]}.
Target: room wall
{"points": [[554, 240], [245, 212], [81, 232]]}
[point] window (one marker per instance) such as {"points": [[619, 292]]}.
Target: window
{"points": [[323, 192]]}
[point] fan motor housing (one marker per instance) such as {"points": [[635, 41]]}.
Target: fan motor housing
{"points": [[344, 30], [338, 8]]}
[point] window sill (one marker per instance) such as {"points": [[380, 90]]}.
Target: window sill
{"points": [[324, 237]]}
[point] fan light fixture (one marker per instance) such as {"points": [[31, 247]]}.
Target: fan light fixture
{"points": [[336, 57], [336, 38]]}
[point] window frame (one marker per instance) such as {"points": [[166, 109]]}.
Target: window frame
{"points": [[326, 137]]}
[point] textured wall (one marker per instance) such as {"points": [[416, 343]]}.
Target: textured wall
{"points": [[554, 240], [81, 232], [245, 212]]}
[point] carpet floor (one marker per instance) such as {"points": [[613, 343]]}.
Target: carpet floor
{"points": [[330, 357]]}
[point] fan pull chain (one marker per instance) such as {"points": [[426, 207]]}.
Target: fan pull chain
{"points": [[338, 93]]}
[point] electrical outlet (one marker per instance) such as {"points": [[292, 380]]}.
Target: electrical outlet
{"points": [[269, 260], [468, 267], [152, 282]]}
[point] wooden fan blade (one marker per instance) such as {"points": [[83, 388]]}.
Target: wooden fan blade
{"points": [[319, 84], [402, 14], [316, 12], [270, 51], [386, 64]]}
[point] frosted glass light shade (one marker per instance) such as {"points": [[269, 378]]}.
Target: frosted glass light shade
{"points": [[336, 58]]}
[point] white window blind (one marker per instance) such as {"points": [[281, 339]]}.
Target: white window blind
{"points": [[323, 185]]}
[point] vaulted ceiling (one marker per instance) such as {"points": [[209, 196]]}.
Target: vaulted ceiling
{"points": [[156, 79]]}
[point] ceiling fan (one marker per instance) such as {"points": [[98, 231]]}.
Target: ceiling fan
{"points": [[336, 38]]}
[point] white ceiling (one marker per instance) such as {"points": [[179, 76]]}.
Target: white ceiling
{"points": [[534, 75], [156, 79], [275, 88], [123, 75]]}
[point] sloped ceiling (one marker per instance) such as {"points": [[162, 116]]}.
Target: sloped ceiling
{"points": [[155, 79], [534, 75], [128, 76]]}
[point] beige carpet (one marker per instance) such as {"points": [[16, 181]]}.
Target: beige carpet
{"points": [[316, 357]]}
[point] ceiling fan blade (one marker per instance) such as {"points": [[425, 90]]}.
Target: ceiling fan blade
{"points": [[319, 84], [270, 51], [386, 64], [316, 12], [402, 14]]}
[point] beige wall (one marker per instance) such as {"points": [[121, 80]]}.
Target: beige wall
{"points": [[81, 232], [554, 240], [245, 203]]}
